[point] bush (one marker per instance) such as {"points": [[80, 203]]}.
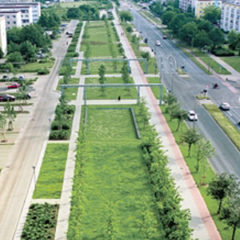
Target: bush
{"points": [[223, 52], [71, 55], [57, 125], [59, 135], [129, 29], [42, 71]]}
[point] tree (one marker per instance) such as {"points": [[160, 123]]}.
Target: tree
{"points": [[125, 73], [191, 137], [224, 185], [205, 25], [177, 22], [201, 39], [233, 38], [167, 17], [231, 213], [170, 99], [187, 32], [125, 16], [10, 114], [73, 13], [15, 57], [27, 50], [101, 72], [216, 36], [205, 150], [2, 126], [180, 115], [212, 14], [21, 94], [1, 53]]}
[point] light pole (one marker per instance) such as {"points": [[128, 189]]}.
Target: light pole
{"points": [[34, 174]]}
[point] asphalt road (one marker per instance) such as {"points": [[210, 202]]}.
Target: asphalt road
{"points": [[227, 157], [16, 177]]}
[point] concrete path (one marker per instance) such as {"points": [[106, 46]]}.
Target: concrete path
{"points": [[65, 203], [111, 102], [201, 220]]}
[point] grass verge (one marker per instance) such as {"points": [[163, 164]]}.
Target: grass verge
{"points": [[224, 123], [234, 62], [70, 93], [50, 180]]}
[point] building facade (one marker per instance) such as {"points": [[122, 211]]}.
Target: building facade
{"points": [[201, 4], [3, 35], [185, 4], [230, 16], [12, 18]]}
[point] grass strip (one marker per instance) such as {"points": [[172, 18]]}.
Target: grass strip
{"points": [[202, 177], [110, 92], [69, 93], [111, 192], [50, 180], [234, 62], [224, 123]]}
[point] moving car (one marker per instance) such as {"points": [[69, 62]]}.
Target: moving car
{"points": [[192, 116], [7, 97], [225, 106], [164, 37], [14, 85], [158, 43], [5, 77]]}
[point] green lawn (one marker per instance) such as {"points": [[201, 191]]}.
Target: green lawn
{"points": [[111, 193], [70, 93], [111, 67], [234, 62], [211, 62], [155, 90], [34, 67], [202, 177], [232, 132], [50, 180], [110, 93]]}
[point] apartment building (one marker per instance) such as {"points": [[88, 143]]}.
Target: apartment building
{"points": [[185, 4], [12, 18], [3, 35], [36, 8], [201, 4], [230, 16]]}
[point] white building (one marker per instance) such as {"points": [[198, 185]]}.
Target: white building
{"points": [[3, 35], [12, 18], [26, 13], [36, 8], [200, 5], [185, 4], [230, 16]]}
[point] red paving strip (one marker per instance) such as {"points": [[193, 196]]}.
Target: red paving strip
{"points": [[199, 201]]}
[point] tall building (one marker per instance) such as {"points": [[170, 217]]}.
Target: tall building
{"points": [[185, 4], [12, 17], [230, 16], [3, 35], [201, 4]]}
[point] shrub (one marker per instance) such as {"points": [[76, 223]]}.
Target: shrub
{"points": [[59, 135], [223, 52], [42, 71]]}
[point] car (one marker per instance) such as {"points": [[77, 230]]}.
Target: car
{"points": [[7, 97], [145, 40], [21, 77], [14, 85], [192, 116], [164, 37], [5, 77], [158, 43], [225, 106]]}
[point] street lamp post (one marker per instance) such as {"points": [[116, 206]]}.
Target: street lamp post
{"points": [[34, 174]]}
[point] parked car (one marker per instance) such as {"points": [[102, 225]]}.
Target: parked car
{"points": [[192, 116], [14, 85], [225, 106], [7, 97], [5, 77], [158, 43], [21, 77]]}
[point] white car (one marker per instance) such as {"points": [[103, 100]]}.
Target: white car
{"points": [[158, 43], [224, 106], [192, 116]]}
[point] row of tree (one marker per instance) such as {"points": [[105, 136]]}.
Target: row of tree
{"points": [[224, 186], [201, 32]]}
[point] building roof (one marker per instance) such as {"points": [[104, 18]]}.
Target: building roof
{"points": [[2, 12]]}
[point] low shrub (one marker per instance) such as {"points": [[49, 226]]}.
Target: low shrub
{"points": [[223, 52], [59, 135], [42, 71]]}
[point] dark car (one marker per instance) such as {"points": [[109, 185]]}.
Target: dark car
{"points": [[6, 97]]}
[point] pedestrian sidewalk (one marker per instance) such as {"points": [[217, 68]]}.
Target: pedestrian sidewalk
{"points": [[201, 221]]}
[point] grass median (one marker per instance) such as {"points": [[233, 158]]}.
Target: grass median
{"points": [[234, 62], [50, 180], [224, 123]]}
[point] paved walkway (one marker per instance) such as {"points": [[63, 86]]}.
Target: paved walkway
{"points": [[65, 203], [201, 221]]}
